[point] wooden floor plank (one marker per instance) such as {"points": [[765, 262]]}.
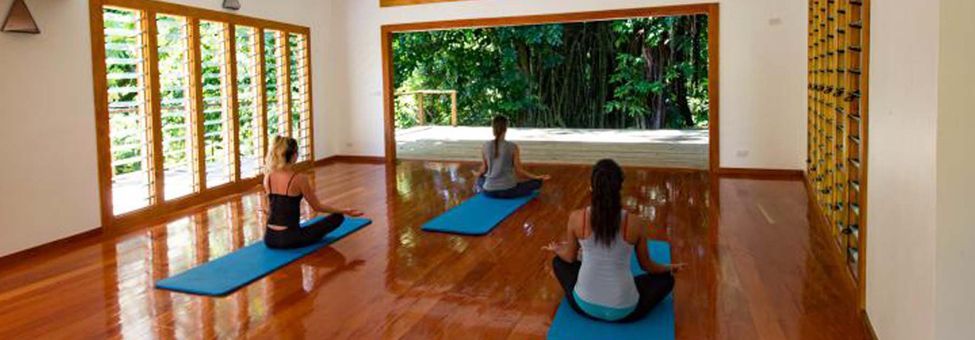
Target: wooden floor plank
{"points": [[757, 267]]}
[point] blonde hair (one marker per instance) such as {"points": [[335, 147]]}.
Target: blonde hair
{"points": [[281, 154]]}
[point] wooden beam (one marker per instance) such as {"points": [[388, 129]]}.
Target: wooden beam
{"points": [[421, 114], [205, 14], [284, 81], [102, 134], [781, 174], [453, 108], [196, 79], [559, 18], [262, 92], [402, 93], [714, 88], [389, 127], [308, 98], [864, 159], [391, 3], [151, 53], [230, 37]]}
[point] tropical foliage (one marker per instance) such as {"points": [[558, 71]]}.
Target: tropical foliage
{"points": [[648, 73]]}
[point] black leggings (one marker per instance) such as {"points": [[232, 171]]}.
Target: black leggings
{"points": [[653, 288], [302, 237], [521, 190]]}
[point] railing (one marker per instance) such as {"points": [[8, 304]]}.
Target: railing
{"points": [[421, 115]]}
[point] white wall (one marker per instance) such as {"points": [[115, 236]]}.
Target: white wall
{"points": [[47, 136], [902, 165], [763, 70], [49, 180], [954, 297]]}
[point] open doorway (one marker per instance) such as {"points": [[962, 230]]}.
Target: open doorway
{"points": [[637, 85]]}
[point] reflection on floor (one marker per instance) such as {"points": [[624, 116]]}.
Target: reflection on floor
{"points": [[647, 148], [750, 275]]}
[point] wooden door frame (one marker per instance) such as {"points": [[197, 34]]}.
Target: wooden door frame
{"points": [[709, 9]]}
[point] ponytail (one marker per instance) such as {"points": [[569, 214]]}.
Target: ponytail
{"points": [[499, 125], [281, 153], [607, 182]]}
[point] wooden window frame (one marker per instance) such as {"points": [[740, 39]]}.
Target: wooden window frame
{"points": [[712, 10], [159, 207]]}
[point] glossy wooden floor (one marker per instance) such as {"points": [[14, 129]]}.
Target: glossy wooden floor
{"points": [[757, 270]]}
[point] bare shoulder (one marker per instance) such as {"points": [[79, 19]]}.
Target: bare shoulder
{"points": [[575, 220], [576, 215]]}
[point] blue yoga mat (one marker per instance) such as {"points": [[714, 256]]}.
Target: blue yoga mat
{"points": [[476, 216], [658, 325], [226, 274]]}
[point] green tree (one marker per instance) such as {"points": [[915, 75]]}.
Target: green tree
{"points": [[641, 73]]}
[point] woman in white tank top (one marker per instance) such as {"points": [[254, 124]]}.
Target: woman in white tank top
{"points": [[600, 285]]}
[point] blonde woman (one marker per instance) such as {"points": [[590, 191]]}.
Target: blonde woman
{"points": [[285, 189]]}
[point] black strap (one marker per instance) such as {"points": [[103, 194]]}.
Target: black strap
{"points": [[288, 189]]}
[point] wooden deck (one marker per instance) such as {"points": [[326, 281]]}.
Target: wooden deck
{"points": [[756, 268], [646, 148]]}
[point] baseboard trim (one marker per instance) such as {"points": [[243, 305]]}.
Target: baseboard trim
{"points": [[20, 256], [869, 325], [351, 159], [761, 173]]}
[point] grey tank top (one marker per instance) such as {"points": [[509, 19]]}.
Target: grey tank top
{"points": [[605, 278], [500, 173]]}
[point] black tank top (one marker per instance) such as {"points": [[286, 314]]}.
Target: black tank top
{"points": [[285, 210]]}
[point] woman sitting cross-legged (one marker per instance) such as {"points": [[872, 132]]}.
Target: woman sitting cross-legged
{"points": [[501, 166], [601, 285], [285, 189]]}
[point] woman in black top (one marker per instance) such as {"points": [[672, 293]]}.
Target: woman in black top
{"points": [[285, 189]]}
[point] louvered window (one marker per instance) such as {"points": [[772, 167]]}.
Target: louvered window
{"points": [[175, 96], [298, 83], [215, 71], [250, 126], [128, 109], [187, 101], [274, 79]]}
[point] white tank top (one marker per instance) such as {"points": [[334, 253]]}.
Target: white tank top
{"points": [[605, 278]]}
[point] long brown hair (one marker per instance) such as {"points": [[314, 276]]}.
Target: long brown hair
{"points": [[500, 125], [607, 182]]}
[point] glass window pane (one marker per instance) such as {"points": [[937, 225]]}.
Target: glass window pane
{"points": [[300, 108], [216, 141], [273, 63], [131, 146], [248, 115], [174, 86]]}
